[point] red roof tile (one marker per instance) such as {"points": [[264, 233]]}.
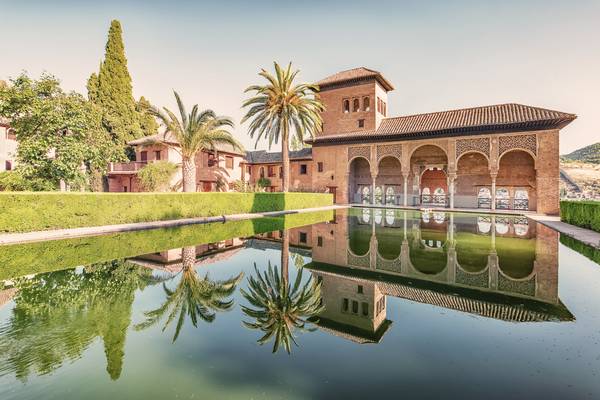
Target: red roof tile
{"points": [[354, 75], [500, 117]]}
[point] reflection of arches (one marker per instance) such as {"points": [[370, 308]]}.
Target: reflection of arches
{"points": [[484, 224], [389, 244], [473, 250], [390, 217], [516, 256], [378, 216], [359, 240]]}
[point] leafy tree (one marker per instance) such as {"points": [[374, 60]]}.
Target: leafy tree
{"points": [[60, 134], [147, 121], [280, 109], [155, 177], [263, 182], [196, 297], [15, 181], [194, 132], [112, 90], [278, 308]]}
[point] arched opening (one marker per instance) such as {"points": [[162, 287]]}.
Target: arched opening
{"points": [[517, 176], [360, 181], [473, 182], [355, 105], [366, 104], [427, 164], [389, 180], [434, 180], [346, 106], [262, 172]]}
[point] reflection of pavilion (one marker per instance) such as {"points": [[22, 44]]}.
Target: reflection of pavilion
{"points": [[498, 267]]}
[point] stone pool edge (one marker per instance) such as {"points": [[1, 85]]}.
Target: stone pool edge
{"points": [[586, 236], [56, 234]]}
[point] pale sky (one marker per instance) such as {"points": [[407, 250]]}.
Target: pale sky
{"points": [[438, 55]]}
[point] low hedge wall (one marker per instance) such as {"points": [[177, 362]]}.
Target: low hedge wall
{"points": [[585, 214], [25, 212]]}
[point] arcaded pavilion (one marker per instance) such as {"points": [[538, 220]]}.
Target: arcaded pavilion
{"points": [[503, 156]]}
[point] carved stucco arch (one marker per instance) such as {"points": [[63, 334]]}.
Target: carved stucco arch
{"points": [[428, 144], [533, 156]]}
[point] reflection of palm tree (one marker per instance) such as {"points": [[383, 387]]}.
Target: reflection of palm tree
{"points": [[197, 297], [281, 308]]}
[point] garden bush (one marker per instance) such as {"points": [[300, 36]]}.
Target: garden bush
{"points": [[585, 214], [24, 212]]}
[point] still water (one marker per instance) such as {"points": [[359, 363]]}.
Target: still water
{"points": [[359, 303]]}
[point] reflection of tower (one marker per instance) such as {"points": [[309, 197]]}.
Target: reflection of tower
{"points": [[354, 308]]}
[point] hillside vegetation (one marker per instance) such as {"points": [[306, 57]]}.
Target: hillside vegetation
{"points": [[588, 154]]}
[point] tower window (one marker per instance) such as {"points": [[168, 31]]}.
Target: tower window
{"points": [[303, 237], [366, 104], [320, 166], [361, 123], [320, 241], [355, 105], [303, 169], [359, 290], [346, 106]]}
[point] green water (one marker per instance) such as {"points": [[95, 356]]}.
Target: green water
{"points": [[352, 304]]}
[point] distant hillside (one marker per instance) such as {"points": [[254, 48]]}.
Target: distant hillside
{"points": [[587, 154]]}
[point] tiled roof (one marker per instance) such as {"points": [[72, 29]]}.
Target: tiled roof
{"points": [[353, 75], [264, 157], [496, 118], [168, 138]]}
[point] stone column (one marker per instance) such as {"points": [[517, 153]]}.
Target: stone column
{"points": [[493, 205], [405, 188], [373, 186], [451, 178]]}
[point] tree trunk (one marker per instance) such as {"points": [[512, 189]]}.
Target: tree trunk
{"points": [[285, 255], [188, 257], [189, 175], [285, 154]]}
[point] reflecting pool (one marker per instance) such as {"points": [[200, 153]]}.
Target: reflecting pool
{"points": [[357, 303]]}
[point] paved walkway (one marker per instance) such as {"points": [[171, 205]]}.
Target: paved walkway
{"points": [[587, 236], [15, 238]]}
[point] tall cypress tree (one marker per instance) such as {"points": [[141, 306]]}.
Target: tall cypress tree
{"points": [[112, 90], [147, 121]]}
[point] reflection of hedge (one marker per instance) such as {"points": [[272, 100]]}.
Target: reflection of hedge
{"points": [[587, 251], [24, 212], [585, 214], [23, 259]]}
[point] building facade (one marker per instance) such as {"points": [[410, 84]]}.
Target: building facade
{"points": [[502, 156], [8, 146]]}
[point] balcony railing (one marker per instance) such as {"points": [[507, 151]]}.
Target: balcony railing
{"points": [[132, 166], [434, 199]]}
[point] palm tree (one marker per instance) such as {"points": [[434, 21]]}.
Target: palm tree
{"points": [[280, 107], [194, 132], [278, 308], [197, 297]]}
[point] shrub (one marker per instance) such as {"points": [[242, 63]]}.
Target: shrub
{"points": [[156, 177], [587, 251], [585, 214], [15, 181], [24, 212], [263, 182]]}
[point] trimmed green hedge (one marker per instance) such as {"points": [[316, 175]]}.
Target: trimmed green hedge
{"points": [[585, 214], [25, 212]]}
